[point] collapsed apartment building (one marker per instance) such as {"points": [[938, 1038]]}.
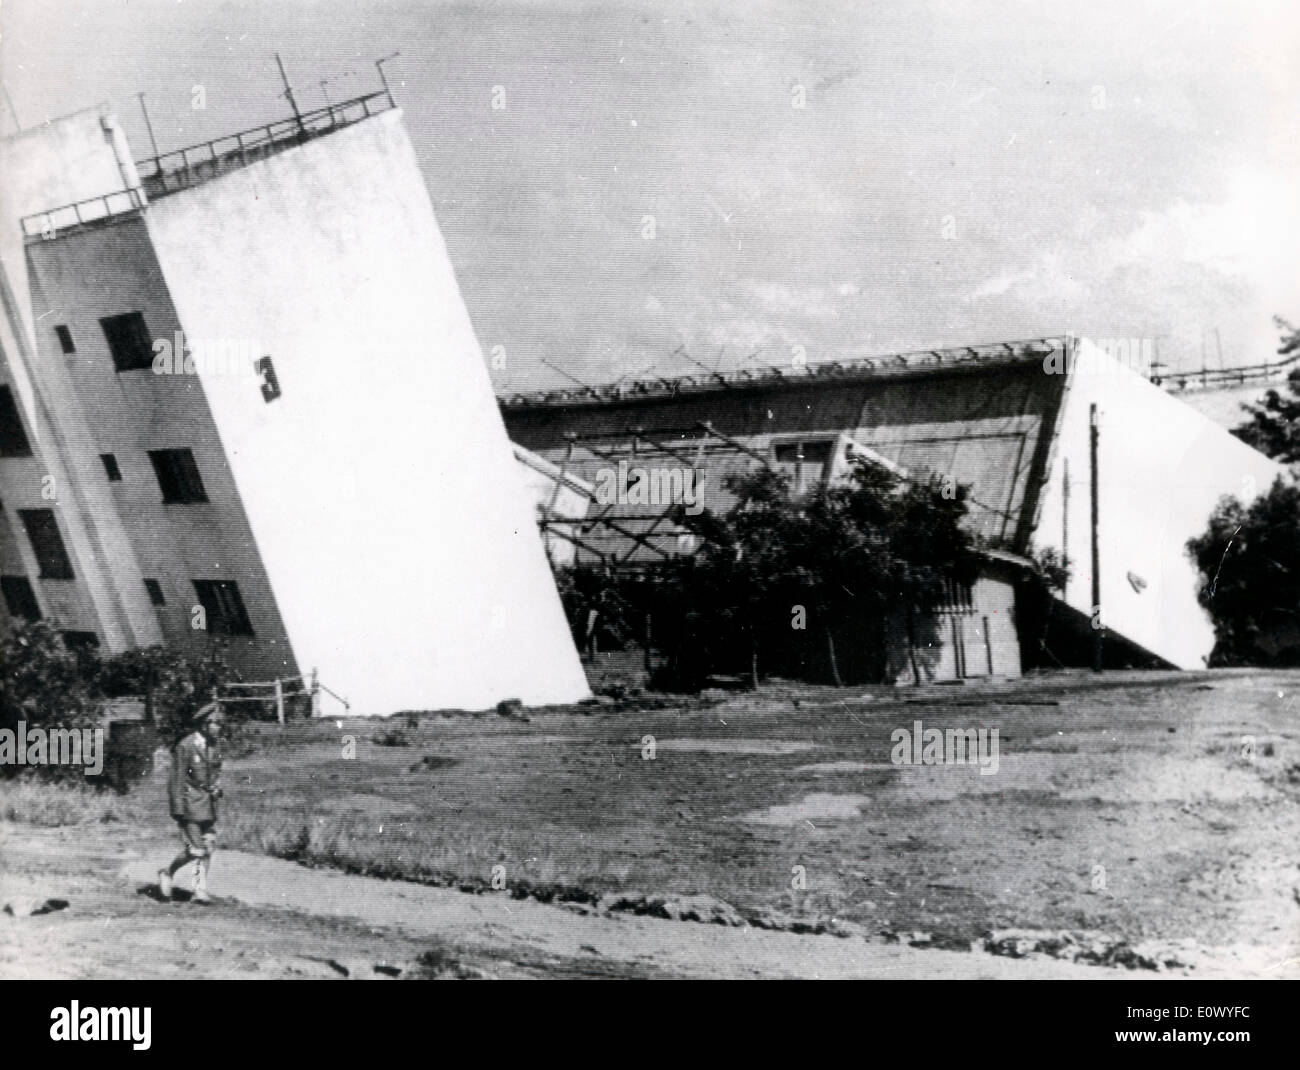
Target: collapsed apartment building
{"points": [[1018, 423], [242, 404]]}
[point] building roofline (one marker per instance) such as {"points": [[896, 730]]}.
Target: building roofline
{"points": [[102, 109], [82, 215], [180, 169], [899, 365]]}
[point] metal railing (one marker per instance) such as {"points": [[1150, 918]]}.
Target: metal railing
{"points": [[273, 694], [178, 170], [94, 210]]}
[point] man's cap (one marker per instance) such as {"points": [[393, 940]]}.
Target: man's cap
{"points": [[204, 713]]}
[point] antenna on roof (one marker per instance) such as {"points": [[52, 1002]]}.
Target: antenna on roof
{"points": [[288, 90], [12, 110], [681, 349], [379, 65], [1156, 373], [148, 126], [640, 371], [571, 378]]}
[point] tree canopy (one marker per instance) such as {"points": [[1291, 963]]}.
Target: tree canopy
{"points": [[1274, 424], [776, 573], [1249, 554], [1249, 560]]}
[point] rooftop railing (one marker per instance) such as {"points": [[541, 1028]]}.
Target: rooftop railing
{"points": [[183, 168], [82, 213]]}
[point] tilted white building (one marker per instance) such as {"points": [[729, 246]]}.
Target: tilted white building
{"points": [[241, 401]]}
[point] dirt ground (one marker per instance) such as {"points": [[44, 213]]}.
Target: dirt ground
{"points": [[1140, 824]]}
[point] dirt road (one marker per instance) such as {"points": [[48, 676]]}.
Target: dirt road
{"points": [[278, 919], [275, 918]]}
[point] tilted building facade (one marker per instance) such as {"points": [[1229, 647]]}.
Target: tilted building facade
{"points": [[243, 403]]}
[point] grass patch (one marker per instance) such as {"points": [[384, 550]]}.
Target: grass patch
{"points": [[573, 805], [32, 802]]}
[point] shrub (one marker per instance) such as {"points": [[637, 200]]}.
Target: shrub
{"points": [[49, 686], [172, 685], [391, 737], [1249, 561]]}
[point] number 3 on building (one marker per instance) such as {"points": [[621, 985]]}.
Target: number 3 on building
{"points": [[269, 383]]}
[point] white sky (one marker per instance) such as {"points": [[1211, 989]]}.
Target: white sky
{"points": [[962, 172]]}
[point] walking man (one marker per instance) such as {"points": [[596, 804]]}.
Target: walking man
{"points": [[193, 789]]}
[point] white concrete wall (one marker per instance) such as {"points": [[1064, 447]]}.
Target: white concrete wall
{"points": [[70, 159], [381, 488], [1162, 466]]}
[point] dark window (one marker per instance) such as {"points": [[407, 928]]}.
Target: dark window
{"points": [[80, 640], [808, 452], [223, 607], [110, 466], [805, 462], [13, 439], [20, 599], [47, 543], [178, 476], [129, 341], [65, 339], [155, 592]]}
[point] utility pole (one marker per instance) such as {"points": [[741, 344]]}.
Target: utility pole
{"points": [[1097, 629], [288, 92], [1065, 513], [149, 126]]}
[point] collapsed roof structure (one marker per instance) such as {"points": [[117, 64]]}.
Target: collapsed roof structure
{"points": [[1011, 421]]}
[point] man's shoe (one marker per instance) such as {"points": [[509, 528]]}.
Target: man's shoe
{"points": [[201, 896], [164, 884]]}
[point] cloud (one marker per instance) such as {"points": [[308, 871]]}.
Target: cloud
{"points": [[1181, 273]]}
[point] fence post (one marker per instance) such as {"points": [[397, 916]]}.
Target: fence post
{"points": [[279, 701], [315, 695]]}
